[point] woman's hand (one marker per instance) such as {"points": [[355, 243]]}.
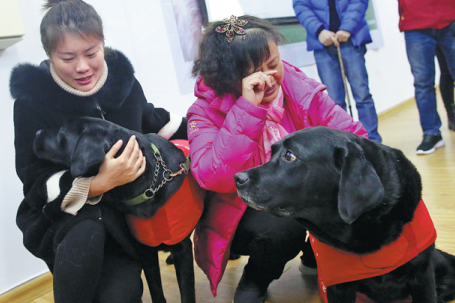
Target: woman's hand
{"points": [[118, 171], [255, 85], [328, 38], [342, 36]]}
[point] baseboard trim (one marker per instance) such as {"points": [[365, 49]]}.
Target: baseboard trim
{"points": [[396, 108], [29, 291]]}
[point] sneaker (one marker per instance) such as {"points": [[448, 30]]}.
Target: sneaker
{"points": [[429, 144], [307, 270]]}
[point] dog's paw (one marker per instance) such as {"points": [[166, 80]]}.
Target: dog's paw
{"points": [[56, 191], [170, 260]]}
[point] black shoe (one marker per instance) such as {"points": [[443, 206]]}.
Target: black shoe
{"points": [[250, 291], [234, 256], [429, 144], [452, 124]]}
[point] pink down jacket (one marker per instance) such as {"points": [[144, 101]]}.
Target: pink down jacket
{"points": [[223, 133]]}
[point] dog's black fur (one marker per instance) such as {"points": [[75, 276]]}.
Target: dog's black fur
{"points": [[81, 144], [355, 195]]}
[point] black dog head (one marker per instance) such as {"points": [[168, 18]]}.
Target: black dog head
{"points": [[81, 144], [334, 182]]}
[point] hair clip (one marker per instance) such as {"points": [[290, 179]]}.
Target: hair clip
{"points": [[232, 26]]}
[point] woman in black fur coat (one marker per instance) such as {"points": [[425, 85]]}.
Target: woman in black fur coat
{"points": [[86, 245]]}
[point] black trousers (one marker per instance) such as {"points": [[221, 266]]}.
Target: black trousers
{"points": [[446, 85], [90, 267], [270, 242]]}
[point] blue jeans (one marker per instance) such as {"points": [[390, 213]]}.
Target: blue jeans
{"points": [[356, 73], [421, 48]]}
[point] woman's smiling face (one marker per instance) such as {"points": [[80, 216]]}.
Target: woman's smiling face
{"points": [[79, 61], [273, 62]]}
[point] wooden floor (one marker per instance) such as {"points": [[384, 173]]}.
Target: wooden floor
{"points": [[400, 129]]}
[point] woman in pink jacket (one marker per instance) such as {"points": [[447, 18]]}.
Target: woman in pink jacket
{"points": [[248, 98]]}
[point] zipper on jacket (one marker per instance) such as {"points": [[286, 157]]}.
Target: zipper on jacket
{"points": [[102, 112]]}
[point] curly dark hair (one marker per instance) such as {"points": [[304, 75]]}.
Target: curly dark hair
{"points": [[224, 64]]}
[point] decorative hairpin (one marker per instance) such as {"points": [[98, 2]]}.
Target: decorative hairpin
{"points": [[233, 25]]}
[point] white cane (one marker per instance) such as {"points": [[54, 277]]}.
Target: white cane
{"points": [[348, 100]]}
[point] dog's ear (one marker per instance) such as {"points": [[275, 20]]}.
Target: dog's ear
{"points": [[360, 188], [88, 155]]}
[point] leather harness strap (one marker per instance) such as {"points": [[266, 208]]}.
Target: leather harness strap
{"points": [[168, 175]]}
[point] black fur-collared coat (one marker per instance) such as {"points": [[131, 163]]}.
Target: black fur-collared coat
{"points": [[40, 104]]}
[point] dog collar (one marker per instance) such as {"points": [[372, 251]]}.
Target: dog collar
{"points": [[168, 175]]}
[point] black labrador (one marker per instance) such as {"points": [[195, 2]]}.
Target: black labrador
{"points": [[81, 144], [354, 195]]}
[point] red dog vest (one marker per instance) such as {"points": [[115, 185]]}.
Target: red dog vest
{"points": [[174, 220], [336, 266]]}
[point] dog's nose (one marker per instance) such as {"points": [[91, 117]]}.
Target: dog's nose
{"points": [[241, 178]]}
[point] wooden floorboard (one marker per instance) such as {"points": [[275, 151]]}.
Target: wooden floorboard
{"points": [[399, 128], [30, 291]]}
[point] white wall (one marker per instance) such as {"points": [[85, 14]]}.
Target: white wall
{"points": [[390, 77], [16, 264], [138, 29]]}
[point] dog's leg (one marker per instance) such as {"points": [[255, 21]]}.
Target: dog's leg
{"points": [[444, 265], [342, 293], [423, 288], [184, 269], [424, 291], [151, 266]]}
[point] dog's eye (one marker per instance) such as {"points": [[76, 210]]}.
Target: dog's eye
{"points": [[289, 156]]}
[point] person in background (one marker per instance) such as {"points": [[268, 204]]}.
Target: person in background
{"points": [[446, 88], [426, 26], [86, 245], [248, 99], [341, 23]]}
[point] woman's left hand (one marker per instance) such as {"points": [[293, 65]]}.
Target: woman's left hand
{"points": [[118, 171], [343, 36]]}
